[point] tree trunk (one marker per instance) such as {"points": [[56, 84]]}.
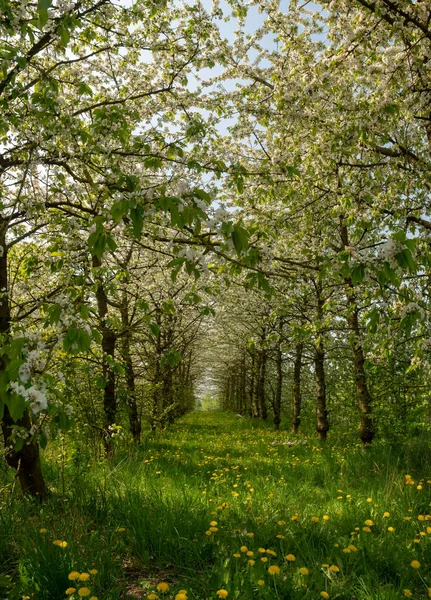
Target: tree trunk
{"points": [[26, 461], [254, 410], [322, 425], [108, 349], [366, 425], [296, 401], [261, 385], [279, 385]]}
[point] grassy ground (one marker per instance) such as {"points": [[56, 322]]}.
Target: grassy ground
{"points": [[220, 503]]}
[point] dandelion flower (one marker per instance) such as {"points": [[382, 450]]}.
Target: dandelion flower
{"points": [[324, 594], [181, 596], [415, 564], [152, 596], [369, 522], [73, 575], [391, 529], [252, 563], [261, 582], [334, 569], [213, 524], [60, 543], [274, 570], [303, 571], [162, 587], [43, 530], [243, 548], [325, 518], [222, 593], [386, 514], [70, 590], [83, 592], [93, 571], [236, 555], [84, 577], [407, 593], [290, 557]]}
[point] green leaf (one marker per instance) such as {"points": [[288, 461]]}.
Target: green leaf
{"points": [[137, 216], [43, 18], [101, 383], [357, 274], [43, 5], [19, 444], [240, 238], [16, 405], [43, 440], [155, 329]]}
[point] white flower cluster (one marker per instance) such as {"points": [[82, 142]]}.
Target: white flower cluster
{"points": [[410, 308], [388, 251], [36, 398]]}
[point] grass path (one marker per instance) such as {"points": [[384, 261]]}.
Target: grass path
{"points": [[220, 505]]}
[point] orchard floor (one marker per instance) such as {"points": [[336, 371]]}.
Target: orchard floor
{"points": [[220, 506]]}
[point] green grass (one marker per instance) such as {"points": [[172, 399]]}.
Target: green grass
{"points": [[145, 518]]}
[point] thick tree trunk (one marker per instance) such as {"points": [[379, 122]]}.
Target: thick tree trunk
{"points": [[134, 421], [366, 425], [261, 385], [26, 461], [322, 425], [279, 386], [108, 348], [297, 399]]}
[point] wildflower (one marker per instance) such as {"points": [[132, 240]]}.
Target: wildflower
{"points": [[213, 523], [391, 529], [70, 590], [281, 523], [250, 553], [60, 543], [252, 563], [367, 529], [162, 587], [303, 571], [386, 514], [94, 598], [243, 548], [181, 596], [369, 522], [325, 518], [213, 529], [236, 555], [290, 557], [352, 548], [262, 550], [334, 569], [315, 519], [84, 577], [421, 518], [324, 594], [369, 499], [208, 532], [73, 575], [407, 593], [415, 564], [152, 596], [271, 552], [222, 593], [325, 566], [264, 559], [93, 571], [121, 529], [261, 582], [83, 592], [274, 570], [43, 530]]}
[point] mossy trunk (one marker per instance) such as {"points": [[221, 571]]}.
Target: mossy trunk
{"points": [[25, 461], [297, 398]]}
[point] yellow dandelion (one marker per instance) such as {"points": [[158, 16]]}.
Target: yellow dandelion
{"points": [[162, 587], [60, 543], [83, 592], [303, 571], [324, 594], [252, 563], [181, 596], [386, 514], [290, 557], [415, 564], [274, 570], [84, 577], [334, 569], [93, 571], [236, 555], [367, 529], [243, 548], [315, 519], [73, 575], [70, 591], [152, 596], [261, 582], [407, 593], [369, 522], [213, 523], [391, 529], [43, 530], [222, 593], [325, 518]]}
